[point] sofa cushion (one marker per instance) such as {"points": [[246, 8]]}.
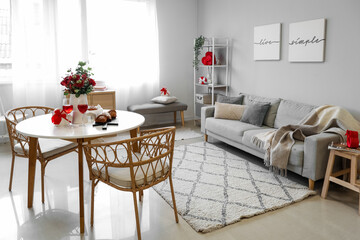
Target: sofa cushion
{"points": [[49, 147], [271, 114], [248, 135], [290, 112], [296, 159], [231, 129], [152, 108], [255, 113], [229, 111], [232, 100]]}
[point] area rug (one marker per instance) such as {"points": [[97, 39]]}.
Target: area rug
{"points": [[214, 188], [182, 133]]}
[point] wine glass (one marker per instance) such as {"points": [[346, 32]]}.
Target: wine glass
{"points": [[67, 106], [82, 106]]}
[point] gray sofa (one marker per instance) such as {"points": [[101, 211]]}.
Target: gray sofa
{"points": [[308, 158]]}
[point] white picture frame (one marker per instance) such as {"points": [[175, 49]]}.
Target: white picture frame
{"points": [[307, 41], [267, 41]]}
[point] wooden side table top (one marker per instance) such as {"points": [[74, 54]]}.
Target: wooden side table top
{"points": [[342, 149]]}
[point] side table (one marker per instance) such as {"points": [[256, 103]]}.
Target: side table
{"points": [[347, 153]]}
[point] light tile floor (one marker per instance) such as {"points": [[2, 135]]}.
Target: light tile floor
{"points": [[314, 218]]}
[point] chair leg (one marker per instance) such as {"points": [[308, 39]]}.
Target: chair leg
{"points": [[137, 216], [92, 202], [42, 182], [11, 171], [205, 137], [141, 193], [173, 199]]}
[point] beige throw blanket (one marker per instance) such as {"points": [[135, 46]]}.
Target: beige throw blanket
{"points": [[278, 143]]}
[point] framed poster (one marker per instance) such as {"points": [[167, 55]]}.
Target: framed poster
{"points": [[307, 41], [267, 39]]}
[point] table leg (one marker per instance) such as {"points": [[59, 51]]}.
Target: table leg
{"points": [[81, 184], [133, 133], [32, 167], [353, 170]]}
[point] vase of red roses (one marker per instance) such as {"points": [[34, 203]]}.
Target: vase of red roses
{"points": [[78, 84]]}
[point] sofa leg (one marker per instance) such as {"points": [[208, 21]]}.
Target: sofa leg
{"points": [[311, 184], [205, 137]]}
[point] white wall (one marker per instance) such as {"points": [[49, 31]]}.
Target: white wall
{"points": [[336, 81], [177, 29]]}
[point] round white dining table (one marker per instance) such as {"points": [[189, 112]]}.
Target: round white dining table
{"points": [[42, 127]]}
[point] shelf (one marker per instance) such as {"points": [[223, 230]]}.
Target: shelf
{"points": [[210, 85], [220, 71], [216, 45], [220, 66], [204, 104]]}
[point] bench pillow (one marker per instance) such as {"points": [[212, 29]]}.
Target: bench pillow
{"points": [[164, 99], [229, 111]]}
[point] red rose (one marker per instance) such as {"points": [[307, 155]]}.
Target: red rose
{"points": [[79, 84], [92, 82]]}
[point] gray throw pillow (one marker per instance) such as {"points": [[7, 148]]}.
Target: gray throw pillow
{"points": [[230, 100], [271, 114], [255, 113]]}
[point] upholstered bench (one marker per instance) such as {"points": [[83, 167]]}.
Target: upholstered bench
{"points": [[152, 108]]}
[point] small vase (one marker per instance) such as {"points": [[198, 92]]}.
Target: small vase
{"points": [[77, 115]]}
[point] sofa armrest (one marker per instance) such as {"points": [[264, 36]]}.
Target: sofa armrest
{"points": [[205, 113], [316, 154]]}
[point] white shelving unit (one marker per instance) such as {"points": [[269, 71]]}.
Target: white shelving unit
{"points": [[219, 72]]}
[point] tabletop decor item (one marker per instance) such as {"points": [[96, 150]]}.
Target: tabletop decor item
{"points": [[164, 92], [78, 84], [352, 139], [207, 60], [60, 118], [203, 80]]}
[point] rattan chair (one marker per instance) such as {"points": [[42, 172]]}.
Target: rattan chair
{"points": [[133, 165], [47, 149]]}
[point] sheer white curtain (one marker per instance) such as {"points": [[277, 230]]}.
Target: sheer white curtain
{"points": [[119, 38], [45, 41], [123, 48]]}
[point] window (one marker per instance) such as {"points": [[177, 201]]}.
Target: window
{"points": [[5, 41]]}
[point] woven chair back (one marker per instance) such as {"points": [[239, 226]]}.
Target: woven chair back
{"points": [[149, 165], [16, 115]]}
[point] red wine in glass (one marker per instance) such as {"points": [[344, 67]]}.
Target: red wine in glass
{"points": [[82, 108], [68, 108]]}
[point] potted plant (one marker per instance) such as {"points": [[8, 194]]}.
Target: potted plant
{"points": [[199, 42]]}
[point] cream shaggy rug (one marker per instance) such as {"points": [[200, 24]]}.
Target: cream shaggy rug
{"points": [[215, 188]]}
